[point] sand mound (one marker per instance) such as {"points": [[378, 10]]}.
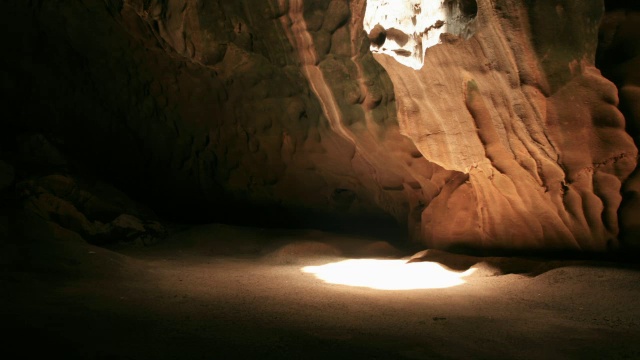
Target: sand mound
{"points": [[302, 252]]}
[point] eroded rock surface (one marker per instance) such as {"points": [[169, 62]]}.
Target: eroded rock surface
{"points": [[276, 113], [619, 59], [524, 112]]}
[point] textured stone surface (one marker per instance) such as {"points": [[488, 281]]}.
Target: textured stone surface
{"points": [[523, 111], [619, 58], [211, 109], [276, 113], [97, 213]]}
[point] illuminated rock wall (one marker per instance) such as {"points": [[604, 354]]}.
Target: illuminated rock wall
{"points": [[490, 129], [522, 110]]}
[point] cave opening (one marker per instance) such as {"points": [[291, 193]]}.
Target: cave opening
{"points": [[405, 31]]}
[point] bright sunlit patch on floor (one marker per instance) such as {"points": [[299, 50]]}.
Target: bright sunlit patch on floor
{"points": [[388, 274]]}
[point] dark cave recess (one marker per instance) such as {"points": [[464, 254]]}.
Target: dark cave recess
{"points": [[611, 5]]}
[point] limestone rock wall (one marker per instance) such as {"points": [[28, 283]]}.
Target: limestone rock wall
{"points": [[276, 113], [523, 111], [619, 59], [215, 109]]}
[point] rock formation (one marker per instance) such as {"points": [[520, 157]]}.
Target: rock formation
{"points": [[523, 111], [619, 59], [499, 133]]}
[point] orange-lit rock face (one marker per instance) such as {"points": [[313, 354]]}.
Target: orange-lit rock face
{"points": [[523, 111], [505, 136]]}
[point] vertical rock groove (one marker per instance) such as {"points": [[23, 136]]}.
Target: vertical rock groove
{"points": [[303, 43]]}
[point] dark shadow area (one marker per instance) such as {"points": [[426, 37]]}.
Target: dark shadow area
{"points": [[468, 8], [610, 5]]}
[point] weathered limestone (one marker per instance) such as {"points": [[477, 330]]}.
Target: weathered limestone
{"points": [[501, 135]]}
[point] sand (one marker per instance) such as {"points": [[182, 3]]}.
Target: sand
{"points": [[220, 292]]}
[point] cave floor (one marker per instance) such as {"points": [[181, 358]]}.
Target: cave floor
{"points": [[194, 298]]}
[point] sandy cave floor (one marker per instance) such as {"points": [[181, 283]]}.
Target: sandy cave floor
{"points": [[218, 292]]}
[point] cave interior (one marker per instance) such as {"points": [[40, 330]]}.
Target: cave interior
{"points": [[410, 179]]}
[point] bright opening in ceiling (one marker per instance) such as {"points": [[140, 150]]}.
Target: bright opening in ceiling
{"points": [[388, 274], [404, 29]]}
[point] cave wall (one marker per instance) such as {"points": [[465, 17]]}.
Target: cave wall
{"points": [[522, 109], [619, 59], [277, 113], [205, 109]]}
